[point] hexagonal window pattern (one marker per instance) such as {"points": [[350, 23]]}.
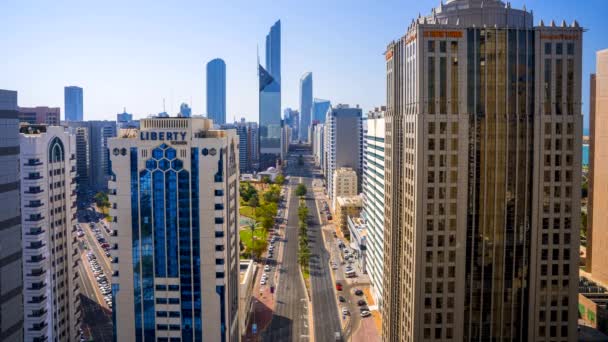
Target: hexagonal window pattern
{"points": [[164, 146], [164, 164], [150, 164], [157, 153], [170, 153], [205, 151], [177, 164]]}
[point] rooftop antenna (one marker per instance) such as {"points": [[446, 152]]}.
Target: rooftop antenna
{"points": [[164, 110]]}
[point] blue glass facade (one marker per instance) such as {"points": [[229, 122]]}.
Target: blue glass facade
{"points": [[270, 99], [73, 103], [216, 91], [305, 105], [319, 110]]}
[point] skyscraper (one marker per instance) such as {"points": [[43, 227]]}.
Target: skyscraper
{"points": [[319, 110], [184, 111], [48, 195], [175, 197], [73, 103], [343, 143], [292, 119], [373, 198], [305, 105], [270, 100], [482, 177], [216, 91], [40, 115], [597, 221], [11, 280]]}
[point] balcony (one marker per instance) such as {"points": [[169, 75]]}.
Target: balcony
{"points": [[37, 300], [35, 218], [35, 245], [33, 177], [34, 204], [35, 231], [36, 273], [34, 191], [39, 326], [38, 313], [33, 162]]}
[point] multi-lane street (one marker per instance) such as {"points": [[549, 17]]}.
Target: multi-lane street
{"points": [[290, 319]]}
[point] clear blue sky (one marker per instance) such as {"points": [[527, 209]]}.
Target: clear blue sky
{"points": [[135, 53]]}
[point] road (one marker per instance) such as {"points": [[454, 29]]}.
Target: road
{"points": [[324, 309], [290, 320]]}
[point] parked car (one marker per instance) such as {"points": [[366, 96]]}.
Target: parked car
{"points": [[338, 286], [365, 313], [358, 292], [345, 311], [341, 299], [361, 302]]}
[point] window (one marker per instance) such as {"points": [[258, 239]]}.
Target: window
{"points": [[570, 49], [173, 300], [173, 287], [431, 45], [443, 47], [559, 48], [219, 234], [548, 48], [219, 192]]}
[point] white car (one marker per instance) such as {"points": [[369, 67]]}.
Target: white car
{"points": [[334, 266], [345, 311], [267, 268], [365, 313], [263, 282]]}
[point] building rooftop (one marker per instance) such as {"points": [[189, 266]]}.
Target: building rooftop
{"points": [[353, 201]]}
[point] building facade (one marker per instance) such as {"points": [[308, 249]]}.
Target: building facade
{"points": [[344, 184], [11, 281], [319, 110], [318, 144], [482, 177], [291, 118], [597, 242], [216, 91], [40, 115], [50, 256], [248, 144], [176, 261], [305, 105], [270, 100], [343, 143], [373, 199], [93, 165], [73, 103], [347, 206]]}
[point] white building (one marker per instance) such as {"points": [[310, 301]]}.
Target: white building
{"points": [[318, 144], [176, 244], [344, 184], [373, 198], [247, 274], [50, 253]]}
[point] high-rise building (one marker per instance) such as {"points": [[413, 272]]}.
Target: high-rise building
{"points": [[125, 120], [343, 143], [50, 255], [248, 144], [373, 198], [482, 177], [319, 110], [318, 144], [11, 281], [273, 51], [73, 103], [93, 165], [270, 100], [175, 199], [40, 115], [292, 119], [216, 91], [597, 239], [305, 105]]}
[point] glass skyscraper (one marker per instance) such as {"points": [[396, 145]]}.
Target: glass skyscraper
{"points": [[319, 110], [270, 100], [173, 194], [305, 105], [216, 91], [73, 103]]}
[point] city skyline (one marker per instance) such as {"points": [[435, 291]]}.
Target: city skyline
{"points": [[139, 77]]}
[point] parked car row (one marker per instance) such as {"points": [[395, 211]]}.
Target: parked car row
{"points": [[101, 240], [102, 281]]}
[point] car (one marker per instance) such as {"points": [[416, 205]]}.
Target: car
{"points": [[338, 286], [108, 254], [264, 275], [365, 313], [334, 266], [267, 268], [335, 234], [345, 311], [341, 299], [361, 302], [263, 282], [358, 292]]}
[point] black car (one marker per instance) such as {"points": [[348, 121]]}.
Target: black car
{"points": [[358, 292], [341, 299], [361, 302]]}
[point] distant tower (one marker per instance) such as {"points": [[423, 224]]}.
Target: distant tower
{"points": [[73, 103], [216, 91], [305, 105]]}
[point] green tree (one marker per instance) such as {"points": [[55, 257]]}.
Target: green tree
{"points": [[246, 190], [101, 199], [266, 180], [280, 179], [254, 202], [301, 190]]}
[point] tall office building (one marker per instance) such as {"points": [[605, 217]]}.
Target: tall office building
{"points": [[50, 255], [125, 120], [597, 239], [93, 168], [248, 144], [292, 119], [176, 266], [343, 143], [319, 110], [184, 111], [305, 105], [216, 91], [373, 198], [318, 143], [73, 103], [483, 176], [11, 281], [40, 115], [273, 51]]}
